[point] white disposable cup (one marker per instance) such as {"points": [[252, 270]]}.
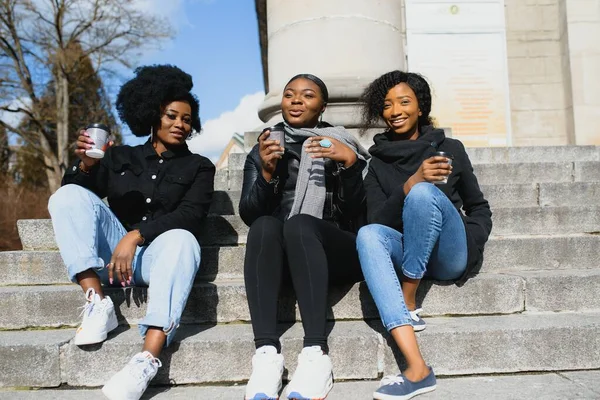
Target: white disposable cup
{"points": [[100, 135], [449, 158]]}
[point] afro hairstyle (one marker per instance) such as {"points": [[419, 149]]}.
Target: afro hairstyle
{"points": [[141, 101], [373, 97]]}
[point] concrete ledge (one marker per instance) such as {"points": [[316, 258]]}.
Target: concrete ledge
{"points": [[502, 254], [546, 220], [230, 230], [580, 384], [563, 290], [226, 230], [508, 344], [574, 194], [47, 267], [31, 358], [52, 306], [521, 253], [530, 154], [222, 353]]}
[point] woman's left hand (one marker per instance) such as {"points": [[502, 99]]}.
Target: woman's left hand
{"points": [[338, 151], [120, 266]]}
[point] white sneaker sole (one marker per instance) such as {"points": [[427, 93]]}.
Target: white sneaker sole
{"points": [[112, 392], [83, 340], [382, 396], [322, 396]]}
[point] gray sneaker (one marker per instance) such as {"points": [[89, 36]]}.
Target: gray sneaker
{"points": [[417, 322], [399, 388]]}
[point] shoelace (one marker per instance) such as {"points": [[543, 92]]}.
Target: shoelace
{"points": [[392, 380], [142, 367], [88, 307]]}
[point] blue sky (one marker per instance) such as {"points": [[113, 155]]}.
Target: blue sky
{"points": [[217, 43]]}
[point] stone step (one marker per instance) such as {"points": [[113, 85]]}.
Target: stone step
{"points": [[500, 155], [502, 195], [230, 230], [47, 268], [542, 194], [225, 301], [225, 202], [226, 230], [562, 385], [487, 174], [546, 220], [202, 354], [502, 254]]}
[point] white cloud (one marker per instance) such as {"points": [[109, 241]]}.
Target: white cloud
{"points": [[217, 132]]}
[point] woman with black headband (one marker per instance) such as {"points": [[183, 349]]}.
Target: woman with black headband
{"points": [[302, 197]]}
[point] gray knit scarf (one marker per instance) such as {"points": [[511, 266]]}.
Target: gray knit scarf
{"points": [[310, 186]]}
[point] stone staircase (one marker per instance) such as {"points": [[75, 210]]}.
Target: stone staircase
{"points": [[534, 307]]}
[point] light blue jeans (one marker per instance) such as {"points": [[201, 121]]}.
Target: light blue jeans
{"points": [[434, 244], [87, 233]]}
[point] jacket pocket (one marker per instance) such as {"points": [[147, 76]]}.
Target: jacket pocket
{"points": [[174, 187]]}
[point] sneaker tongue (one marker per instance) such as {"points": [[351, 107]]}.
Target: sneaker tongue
{"points": [[312, 351], [270, 350]]}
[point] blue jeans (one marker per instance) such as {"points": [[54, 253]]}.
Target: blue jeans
{"points": [[434, 244], [87, 233]]}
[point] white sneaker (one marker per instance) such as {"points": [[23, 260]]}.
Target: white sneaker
{"points": [[267, 369], [313, 378], [131, 382], [417, 322], [99, 318]]}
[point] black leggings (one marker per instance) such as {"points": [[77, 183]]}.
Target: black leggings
{"points": [[316, 252]]}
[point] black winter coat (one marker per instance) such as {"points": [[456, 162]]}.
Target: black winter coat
{"points": [[345, 202], [394, 162]]}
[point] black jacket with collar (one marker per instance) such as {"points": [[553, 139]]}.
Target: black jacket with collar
{"points": [[393, 162], [345, 199], [151, 193]]}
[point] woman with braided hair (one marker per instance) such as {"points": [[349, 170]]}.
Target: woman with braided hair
{"points": [[418, 185], [158, 195]]}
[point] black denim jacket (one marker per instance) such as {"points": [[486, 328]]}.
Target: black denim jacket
{"points": [[151, 193]]}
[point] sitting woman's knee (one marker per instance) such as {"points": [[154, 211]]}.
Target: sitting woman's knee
{"points": [[298, 225], [369, 234], [67, 196], [180, 239], [422, 193]]}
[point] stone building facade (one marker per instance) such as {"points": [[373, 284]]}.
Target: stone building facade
{"points": [[538, 61]]}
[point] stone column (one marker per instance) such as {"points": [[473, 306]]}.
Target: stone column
{"points": [[347, 43], [583, 32]]}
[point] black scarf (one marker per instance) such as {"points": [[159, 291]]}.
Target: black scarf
{"points": [[407, 155]]}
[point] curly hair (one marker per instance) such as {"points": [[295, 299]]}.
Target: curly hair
{"points": [[141, 101], [373, 97]]}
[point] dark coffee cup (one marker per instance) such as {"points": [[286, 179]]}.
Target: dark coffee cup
{"points": [[450, 157], [277, 133]]}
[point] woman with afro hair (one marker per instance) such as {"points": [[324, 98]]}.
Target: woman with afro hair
{"points": [[417, 227], [158, 195]]}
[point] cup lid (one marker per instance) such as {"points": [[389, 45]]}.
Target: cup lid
{"points": [[98, 126]]}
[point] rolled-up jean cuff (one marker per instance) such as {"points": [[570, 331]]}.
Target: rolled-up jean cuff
{"points": [[396, 324], [411, 275], [83, 264], [168, 326]]}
